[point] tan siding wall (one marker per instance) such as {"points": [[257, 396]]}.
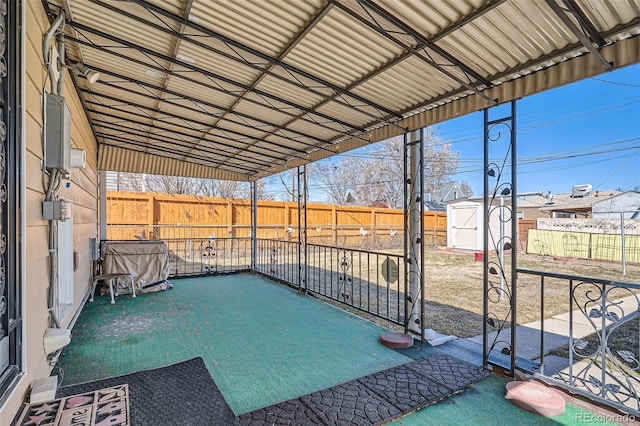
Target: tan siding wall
{"points": [[83, 192]]}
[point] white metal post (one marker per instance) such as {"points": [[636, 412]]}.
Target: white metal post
{"points": [[415, 238], [501, 245], [254, 224], [102, 189], [624, 250]]}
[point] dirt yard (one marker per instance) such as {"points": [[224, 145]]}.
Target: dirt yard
{"points": [[455, 297]]}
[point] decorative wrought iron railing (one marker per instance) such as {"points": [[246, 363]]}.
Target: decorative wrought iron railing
{"points": [[195, 256], [603, 349], [367, 281]]}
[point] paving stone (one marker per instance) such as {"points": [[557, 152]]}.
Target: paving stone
{"points": [[288, 413], [447, 371], [373, 399], [404, 388], [350, 404]]}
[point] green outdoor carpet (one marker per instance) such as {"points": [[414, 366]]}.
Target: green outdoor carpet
{"points": [[262, 343], [484, 404]]}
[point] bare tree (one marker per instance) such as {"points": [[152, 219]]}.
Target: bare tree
{"points": [[466, 188], [221, 188], [337, 178], [262, 191], [379, 177], [291, 194], [172, 184], [127, 181]]}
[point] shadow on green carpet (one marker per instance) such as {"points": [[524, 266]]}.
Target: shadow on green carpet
{"points": [[262, 342]]}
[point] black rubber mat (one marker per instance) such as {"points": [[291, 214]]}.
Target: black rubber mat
{"points": [[180, 394], [374, 399]]}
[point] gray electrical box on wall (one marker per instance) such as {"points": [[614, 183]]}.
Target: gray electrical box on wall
{"points": [[57, 133]]}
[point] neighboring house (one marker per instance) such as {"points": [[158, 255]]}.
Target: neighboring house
{"points": [[627, 203], [449, 192], [465, 216], [563, 205], [379, 205], [570, 206]]}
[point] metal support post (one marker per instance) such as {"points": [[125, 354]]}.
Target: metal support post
{"points": [[254, 225], [303, 272], [102, 190], [499, 327], [414, 231], [623, 243]]}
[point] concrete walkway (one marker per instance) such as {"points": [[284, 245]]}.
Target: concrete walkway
{"points": [[556, 334]]}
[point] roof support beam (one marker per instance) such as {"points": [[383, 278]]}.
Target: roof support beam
{"points": [[202, 101], [526, 65], [586, 24], [237, 58], [176, 48], [390, 17], [290, 150], [225, 111], [168, 140], [486, 7], [261, 55], [208, 74], [414, 51], [578, 33], [145, 149], [407, 54], [213, 150], [321, 13]]}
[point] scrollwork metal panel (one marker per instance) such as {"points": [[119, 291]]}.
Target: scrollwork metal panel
{"points": [[11, 110], [414, 297], [499, 278], [596, 368], [4, 113], [345, 272]]}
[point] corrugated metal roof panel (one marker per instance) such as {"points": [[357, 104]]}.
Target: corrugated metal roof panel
{"points": [[265, 28], [394, 89], [289, 91], [341, 50], [122, 26], [283, 78], [200, 93], [125, 160], [216, 64]]}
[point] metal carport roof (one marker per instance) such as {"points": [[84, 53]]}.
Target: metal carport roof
{"points": [[241, 89]]}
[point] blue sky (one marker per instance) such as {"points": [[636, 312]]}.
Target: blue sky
{"points": [[592, 127], [587, 132]]}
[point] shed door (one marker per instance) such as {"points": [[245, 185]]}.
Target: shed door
{"points": [[465, 227]]}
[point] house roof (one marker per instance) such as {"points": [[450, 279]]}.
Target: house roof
{"points": [[557, 202], [241, 89], [566, 201]]}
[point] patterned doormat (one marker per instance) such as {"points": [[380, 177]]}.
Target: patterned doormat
{"points": [[181, 394], [375, 399], [109, 406]]}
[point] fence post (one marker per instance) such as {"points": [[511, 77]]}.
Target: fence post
{"points": [[152, 218], [334, 225], [287, 220], [373, 223], [624, 249]]}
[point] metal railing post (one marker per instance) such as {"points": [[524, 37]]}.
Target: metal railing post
{"points": [[254, 224]]}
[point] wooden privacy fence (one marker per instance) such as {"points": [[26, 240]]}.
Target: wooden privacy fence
{"points": [[132, 215]]}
